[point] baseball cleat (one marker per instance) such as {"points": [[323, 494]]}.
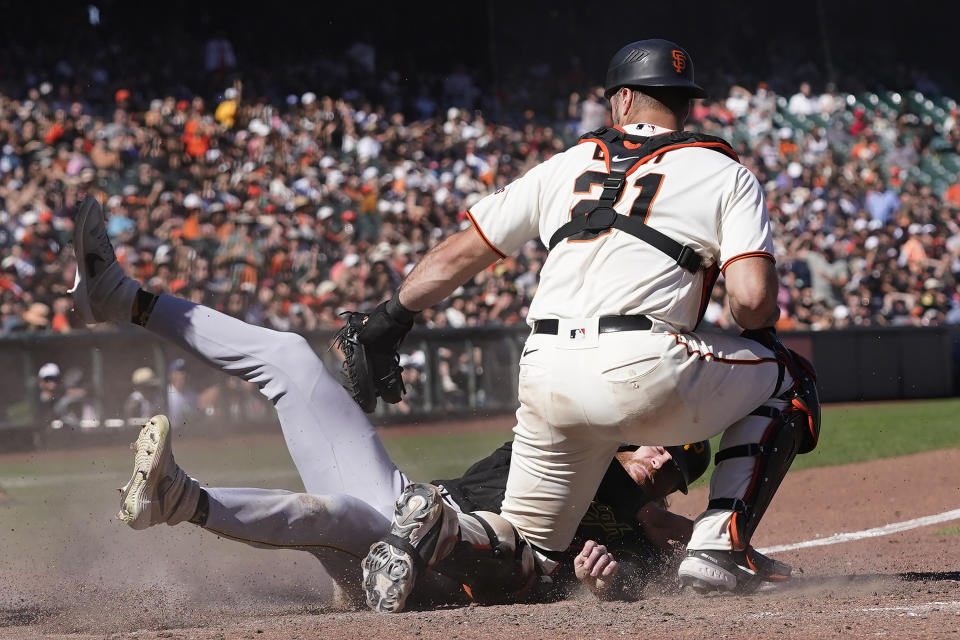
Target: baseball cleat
{"points": [[743, 571], [102, 291], [159, 490], [422, 532]]}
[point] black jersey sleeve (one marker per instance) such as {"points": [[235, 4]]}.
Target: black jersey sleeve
{"points": [[482, 486]]}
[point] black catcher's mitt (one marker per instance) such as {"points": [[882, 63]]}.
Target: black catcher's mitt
{"points": [[370, 344], [356, 366]]}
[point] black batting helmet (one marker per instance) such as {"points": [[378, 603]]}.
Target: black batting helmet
{"points": [[692, 460], [652, 63]]}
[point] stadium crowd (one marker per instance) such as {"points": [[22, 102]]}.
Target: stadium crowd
{"points": [[284, 212]]}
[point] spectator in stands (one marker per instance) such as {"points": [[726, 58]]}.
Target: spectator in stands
{"points": [[952, 195], [593, 111], [830, 101], [49, 390], [218, 56], [144, 401], [334, 196], [35, 318], [738, 101], [182, 401], [828, 276], [881, 203], [74, 408]]}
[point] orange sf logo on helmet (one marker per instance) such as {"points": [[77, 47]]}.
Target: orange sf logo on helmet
{"points": [[679, 60]]}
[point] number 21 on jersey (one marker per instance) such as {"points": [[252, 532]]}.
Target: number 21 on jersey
{"points": [[648, 184]]}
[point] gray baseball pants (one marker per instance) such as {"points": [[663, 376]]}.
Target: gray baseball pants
{"points": [[350, 482]]}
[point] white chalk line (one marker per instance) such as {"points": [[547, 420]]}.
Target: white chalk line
{"points": [[909, 610], [917, 608], [885, 530], [19, 482]]}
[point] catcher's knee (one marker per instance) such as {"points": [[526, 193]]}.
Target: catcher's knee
{"points": [[804, 399], [802, 396], [324, 510]]}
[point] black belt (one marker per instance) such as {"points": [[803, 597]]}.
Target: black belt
{"points": [[608, 324]]}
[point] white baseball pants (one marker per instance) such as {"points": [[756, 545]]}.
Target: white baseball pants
{"points": [[582, 394], [350, 481]]}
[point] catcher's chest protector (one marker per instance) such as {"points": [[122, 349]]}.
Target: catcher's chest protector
{"points": [[598, 216]]}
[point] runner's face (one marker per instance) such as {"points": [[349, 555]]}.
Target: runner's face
{"points": [[654, 471]]}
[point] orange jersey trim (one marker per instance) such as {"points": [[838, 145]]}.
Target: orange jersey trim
{"points": [[725, 149], [603, 145], [749, 254], [484, 237], [709, 280]]}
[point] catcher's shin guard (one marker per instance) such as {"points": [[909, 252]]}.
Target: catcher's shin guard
{"points": [[492, 561], [804, 401], [793, 430], [802, 394]]}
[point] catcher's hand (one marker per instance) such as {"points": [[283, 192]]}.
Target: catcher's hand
{"points": [[371, 361]]}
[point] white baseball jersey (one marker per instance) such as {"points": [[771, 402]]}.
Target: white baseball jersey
{"points": [[698, 197]]}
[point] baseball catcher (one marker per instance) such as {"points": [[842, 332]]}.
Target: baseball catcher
{"points": [[640, 219]]}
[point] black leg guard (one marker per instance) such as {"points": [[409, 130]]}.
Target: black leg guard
{"points": [[793, 427], [492, 561], [793, 430], [802, 395], [774, 454], [804, 400]]}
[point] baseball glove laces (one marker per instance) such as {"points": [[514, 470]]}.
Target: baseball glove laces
{"points": [[357, 377]]}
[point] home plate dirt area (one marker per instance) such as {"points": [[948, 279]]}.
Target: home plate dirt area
{"points": [[895, 572]]}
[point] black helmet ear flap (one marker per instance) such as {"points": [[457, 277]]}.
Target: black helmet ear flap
{"points": [[692, 460]]}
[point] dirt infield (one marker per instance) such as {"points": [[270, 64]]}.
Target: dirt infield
{"points": [[96, 583]]}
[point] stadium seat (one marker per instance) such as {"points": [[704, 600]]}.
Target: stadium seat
{"points": [[869, 100], [892, 99], [940, 144], [951, 162], [945, 103]]}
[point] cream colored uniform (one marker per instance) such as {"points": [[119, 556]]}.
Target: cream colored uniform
{"points": [[583, 393]]}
